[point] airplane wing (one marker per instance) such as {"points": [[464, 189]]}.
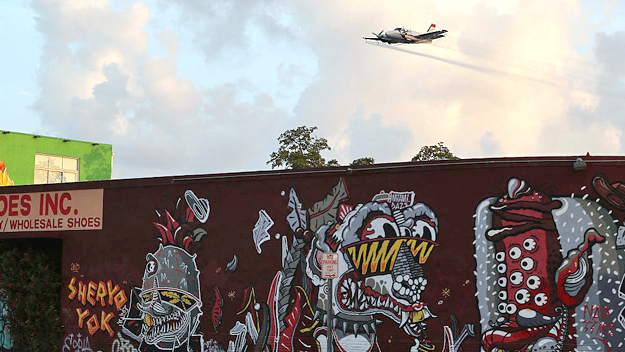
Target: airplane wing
{"points": [[427, 36]]}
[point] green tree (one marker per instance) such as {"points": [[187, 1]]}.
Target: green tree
{"points": [[434, 152], [363, 161], [300, 148], [30, 289]]}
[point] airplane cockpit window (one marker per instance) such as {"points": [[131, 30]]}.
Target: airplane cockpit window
{"points": [[398, 29]]}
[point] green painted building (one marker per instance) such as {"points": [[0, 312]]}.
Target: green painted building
{"points": [[34, 159]]}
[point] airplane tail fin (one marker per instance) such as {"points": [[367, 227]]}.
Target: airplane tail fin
{"points": [[432, 27]]}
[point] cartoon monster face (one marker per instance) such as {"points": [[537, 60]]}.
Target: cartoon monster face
{"points": [[536, 287], [170, 297], [383, 251]]}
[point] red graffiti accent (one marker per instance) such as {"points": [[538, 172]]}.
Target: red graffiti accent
{"points": [[512, 339], [249, 301], [217, 313], [166, 234], [590, 238], [300, 317], [593, 321]]}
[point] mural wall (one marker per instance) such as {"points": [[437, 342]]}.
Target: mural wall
{"points": [[492, 259]]}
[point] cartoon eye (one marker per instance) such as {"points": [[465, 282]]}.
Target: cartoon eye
{"points": [[150, 267], [511, 308], [515, 252], [424, 230], [516, 278], [501, 268], [533, 282], [529, 244], [541, 299], [500, 256], [502, 307], [527, 264], [503, 295], [379, 227], [502, 281], [522, 296]]}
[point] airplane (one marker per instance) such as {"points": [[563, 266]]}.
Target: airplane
{"points": [[401, 35]]}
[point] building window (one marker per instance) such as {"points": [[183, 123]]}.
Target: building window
{"points": [[55, 169]]}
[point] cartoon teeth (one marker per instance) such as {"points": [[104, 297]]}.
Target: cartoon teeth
{"points": [[354, 298], [369, 327], [409, 288], [158, 327]]}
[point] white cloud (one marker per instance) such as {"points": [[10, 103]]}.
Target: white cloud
{"points": [[507, 76]]}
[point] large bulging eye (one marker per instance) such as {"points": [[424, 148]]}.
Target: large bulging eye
{"points": [[527, 264], [515, 252], [502, 307], [530, 244], [424, 230], [533, 282], [380, 227], [151, 267], [503, 295], [511, 308], [541, 299], [501, 268], [516, 278], [500, 256], [502, 282], [522, 296]]}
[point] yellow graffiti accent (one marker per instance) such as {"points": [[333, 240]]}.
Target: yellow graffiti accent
{"points": [[369, 255], [5, 180], [173, 296], [422, 249], [380, 255]]}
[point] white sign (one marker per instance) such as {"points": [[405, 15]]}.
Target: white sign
{"points": [[51, 211], [330, 265]]}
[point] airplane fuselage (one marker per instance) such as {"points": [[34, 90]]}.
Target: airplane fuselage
{"points": [[406, 36]]}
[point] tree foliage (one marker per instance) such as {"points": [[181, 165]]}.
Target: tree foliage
{"points": [[30, 289], [363, 161], [434, 152], [300, 148]]}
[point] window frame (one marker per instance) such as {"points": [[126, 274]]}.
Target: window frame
{"points": [[51, 169]]}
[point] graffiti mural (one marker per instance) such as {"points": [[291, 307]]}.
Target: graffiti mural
{"points": [[77, 343], [384, 245], [5, 338], [430, 259], [164, 314], [547, 271], [93, 298]]}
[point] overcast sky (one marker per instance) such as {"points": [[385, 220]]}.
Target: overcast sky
{"points": [[196, 86]]}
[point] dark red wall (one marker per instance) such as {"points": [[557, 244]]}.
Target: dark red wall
{"points": [[451, 190]]}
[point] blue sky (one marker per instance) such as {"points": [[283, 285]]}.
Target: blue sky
{"points": [[192, 86]]}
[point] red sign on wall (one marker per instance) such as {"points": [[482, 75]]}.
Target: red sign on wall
{"points": [[51, 211]]}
